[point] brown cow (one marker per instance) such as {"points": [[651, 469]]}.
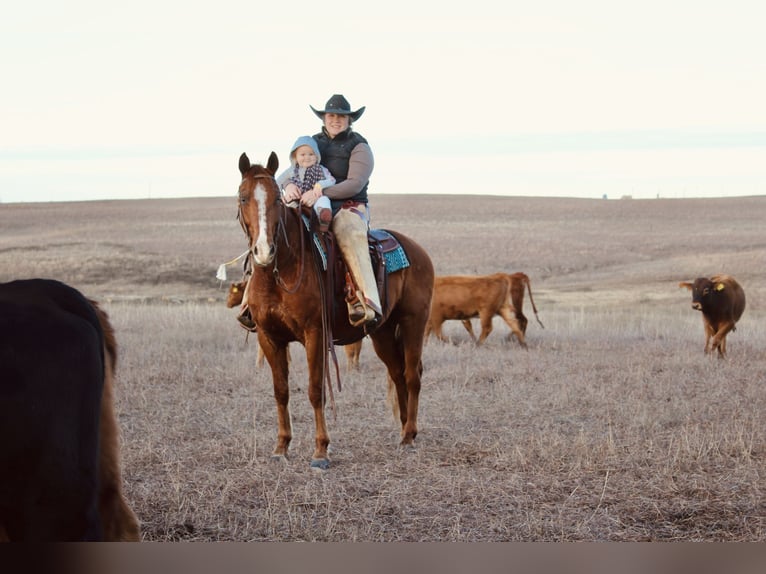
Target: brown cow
{"points": [[234, 298], [722, 302], [465, 296], [518, 282], [235, 294]]}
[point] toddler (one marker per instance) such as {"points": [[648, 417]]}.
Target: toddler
{"points": [[307, 176]]}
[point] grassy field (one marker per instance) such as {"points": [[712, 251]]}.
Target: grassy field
{"points": [[612, 426]]}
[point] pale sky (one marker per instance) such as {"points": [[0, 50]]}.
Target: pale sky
{"points": [[114, 100]]}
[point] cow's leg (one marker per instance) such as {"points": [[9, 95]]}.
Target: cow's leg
{"points": [[510, 319], [276, 355], [719, 339], [353, 351], [486, 325], [469, 327], [436, 324], [708, 335]]}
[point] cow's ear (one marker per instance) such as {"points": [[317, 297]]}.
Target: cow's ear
{"points": [[719, 287], [685, 284]]}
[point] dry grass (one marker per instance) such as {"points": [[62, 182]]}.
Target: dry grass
{"points": [[612, 426]]}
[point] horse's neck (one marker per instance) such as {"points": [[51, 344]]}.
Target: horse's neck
{"points": [[292, 241], [292, 253]]}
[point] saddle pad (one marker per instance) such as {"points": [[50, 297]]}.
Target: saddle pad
{"points": [[394, 256]]}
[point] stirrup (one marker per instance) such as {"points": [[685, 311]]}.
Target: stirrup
{"points": [[373, 313], [246, 321], [357, 313]]}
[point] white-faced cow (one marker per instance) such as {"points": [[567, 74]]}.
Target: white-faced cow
{"points": [[59, 453], [722, 302], [462, 297]]}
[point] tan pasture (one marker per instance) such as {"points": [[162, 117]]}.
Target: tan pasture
{"points": [[612, 426]]}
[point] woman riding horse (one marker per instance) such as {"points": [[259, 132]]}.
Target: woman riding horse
{"points": [[286, 298]]}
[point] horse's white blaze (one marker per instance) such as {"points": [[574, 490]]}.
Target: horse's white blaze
{"points": [[261, 252]]}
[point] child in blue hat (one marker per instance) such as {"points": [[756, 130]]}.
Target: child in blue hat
{"points": [[305, 179]]}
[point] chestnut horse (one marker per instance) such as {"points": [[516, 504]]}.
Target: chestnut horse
{"points": [[285, 297]]}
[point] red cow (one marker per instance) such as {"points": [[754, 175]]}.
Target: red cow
{"points": [[518, 282], [722, 302], [465, 296]]}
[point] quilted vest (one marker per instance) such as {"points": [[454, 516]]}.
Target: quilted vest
{"points": [[336, 153]]}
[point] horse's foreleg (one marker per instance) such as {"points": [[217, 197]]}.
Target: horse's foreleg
{"points": [[276, 355], [316, 355]]}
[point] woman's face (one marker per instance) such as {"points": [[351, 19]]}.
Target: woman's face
{"points": [[335, 123]]}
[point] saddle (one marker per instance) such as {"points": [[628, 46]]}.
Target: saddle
{"points": [[387, 256]]}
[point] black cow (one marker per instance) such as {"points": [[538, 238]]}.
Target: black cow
{"points": [[59, 441]]}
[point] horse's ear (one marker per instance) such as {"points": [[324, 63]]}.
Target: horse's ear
{"points": [[244, 163], [273, 164]]}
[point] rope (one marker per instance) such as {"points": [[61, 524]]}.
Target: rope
{"points": [[221, 273]]}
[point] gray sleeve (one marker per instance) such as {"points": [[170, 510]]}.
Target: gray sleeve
{"points": [[359, 170]]}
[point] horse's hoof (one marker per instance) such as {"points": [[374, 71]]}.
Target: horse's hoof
{"points": [[279, 458], [408, 447], [320, 463]]}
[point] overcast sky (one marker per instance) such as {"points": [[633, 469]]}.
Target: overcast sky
{"points": [[105, 100]]}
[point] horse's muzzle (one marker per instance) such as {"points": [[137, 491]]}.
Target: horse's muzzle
{"points": [[263, 257]]}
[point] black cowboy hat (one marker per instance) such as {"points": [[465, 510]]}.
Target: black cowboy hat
{"points": [[337, 104]]}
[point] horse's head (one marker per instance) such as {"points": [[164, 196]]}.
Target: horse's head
{"points": [[258, 207]]}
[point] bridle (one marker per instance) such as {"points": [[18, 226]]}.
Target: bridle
{"points": [[281, 227]]}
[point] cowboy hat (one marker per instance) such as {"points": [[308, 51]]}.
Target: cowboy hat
{"points": [[337, 104]]}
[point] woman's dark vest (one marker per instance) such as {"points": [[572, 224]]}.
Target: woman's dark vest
{"points": [[336, 154]]}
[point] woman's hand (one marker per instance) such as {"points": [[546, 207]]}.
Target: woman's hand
{"points": [[291, 193]]}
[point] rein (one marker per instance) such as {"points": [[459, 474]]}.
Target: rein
{"points": [[282, 215]]}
